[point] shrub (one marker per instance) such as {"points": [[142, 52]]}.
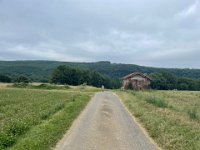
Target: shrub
{"points": [[6, 140], [20, 85], [22, 79]]}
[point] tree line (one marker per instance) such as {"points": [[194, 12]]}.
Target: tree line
{"points": [[70, 76], [168, 81], [16, 79], [40, 71], [75, 76]]}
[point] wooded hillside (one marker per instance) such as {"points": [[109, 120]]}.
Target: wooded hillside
{"points": [[42, 70]]}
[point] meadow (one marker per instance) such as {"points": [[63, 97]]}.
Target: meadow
{"points": [[172, 118], [38, 118]]}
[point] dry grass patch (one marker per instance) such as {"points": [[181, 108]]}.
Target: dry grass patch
{"points": [[4, 85]]}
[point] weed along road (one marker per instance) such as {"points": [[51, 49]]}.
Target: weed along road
{"points": [[105, 125]]}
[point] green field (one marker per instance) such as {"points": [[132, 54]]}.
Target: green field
{"points": [[172, 118], [36, 119]]}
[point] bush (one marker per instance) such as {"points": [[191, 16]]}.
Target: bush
{"points": [[6, 140], [22, 79], [20, 85]]}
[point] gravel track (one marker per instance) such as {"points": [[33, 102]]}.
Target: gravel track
{"points": [[105, 125]]}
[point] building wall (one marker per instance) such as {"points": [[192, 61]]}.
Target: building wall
{"points": [[137, 82]]}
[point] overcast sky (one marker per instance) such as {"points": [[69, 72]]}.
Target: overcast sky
{"points": [[161, 33]]}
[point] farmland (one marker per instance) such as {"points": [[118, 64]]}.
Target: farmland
{"points": [[172, 118], [37, 116], [37, 119]]}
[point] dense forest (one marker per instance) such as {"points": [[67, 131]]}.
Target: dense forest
{"points": [[42, 70], [73, 76], [106, 73], [168, 81]]}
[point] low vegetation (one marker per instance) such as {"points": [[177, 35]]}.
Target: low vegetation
{"points": [[172, 118], [44, 86], [36, 118], [192, 112]]}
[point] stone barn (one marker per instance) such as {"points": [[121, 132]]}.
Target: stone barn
{"points": [[136, 81]]}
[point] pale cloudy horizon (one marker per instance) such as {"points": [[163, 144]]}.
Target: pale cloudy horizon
{"points": [[149, 33]]}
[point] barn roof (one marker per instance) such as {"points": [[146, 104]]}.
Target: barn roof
{"points": [[134, 74]]}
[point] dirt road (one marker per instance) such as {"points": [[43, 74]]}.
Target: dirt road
{"points": [[105, 125]]}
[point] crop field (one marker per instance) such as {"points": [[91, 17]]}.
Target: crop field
{"points": [[37, 118], [172, 118]]}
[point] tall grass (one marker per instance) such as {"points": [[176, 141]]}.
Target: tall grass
{"points": [[174, 127], [193, 113], [158, 102], [36, 119]]}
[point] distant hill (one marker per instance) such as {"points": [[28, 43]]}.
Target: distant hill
{"points": [[42, 70]]}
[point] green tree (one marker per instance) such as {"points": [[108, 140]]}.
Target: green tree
{"points": [[167, 81], [22, 79], [72, 76], [158, 81], [5, 79]]}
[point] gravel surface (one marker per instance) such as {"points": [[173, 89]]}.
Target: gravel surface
{"points": [[105, 125]]}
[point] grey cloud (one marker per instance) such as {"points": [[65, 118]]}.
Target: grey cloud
{"points": [[160, 33]]}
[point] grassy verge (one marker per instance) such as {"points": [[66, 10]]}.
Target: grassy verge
{"points": [[172, 118], [37, 119]]}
